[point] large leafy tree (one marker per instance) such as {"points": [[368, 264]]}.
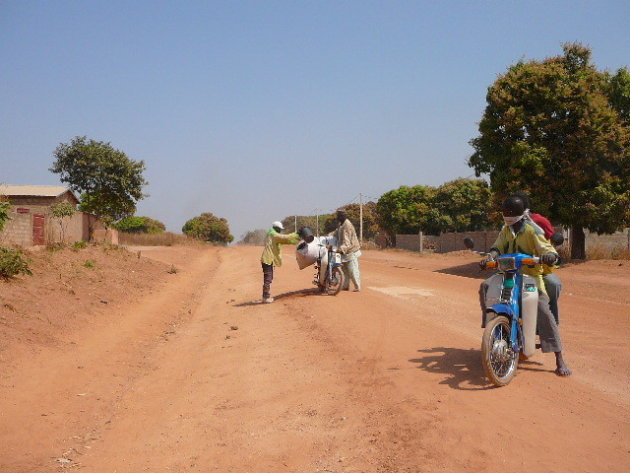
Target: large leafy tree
{"points": [[559, 129], [457, 206], [208, 227], [110, 183], [399, 210]]}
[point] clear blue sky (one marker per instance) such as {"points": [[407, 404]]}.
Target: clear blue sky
{"points": [[255, 110]]}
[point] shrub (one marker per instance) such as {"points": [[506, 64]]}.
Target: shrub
{"points": [[139, 225], [208, 227], [5, 205], [12, 263]]}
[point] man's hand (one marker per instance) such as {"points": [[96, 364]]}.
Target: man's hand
{"points": [[489, 258], [549, 259]]}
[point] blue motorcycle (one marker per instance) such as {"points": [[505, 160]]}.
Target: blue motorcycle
{"points": [[511, 315]]}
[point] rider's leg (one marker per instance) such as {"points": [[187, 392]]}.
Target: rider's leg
{"points": [[483, 289], [553, 286], [550, 335]]}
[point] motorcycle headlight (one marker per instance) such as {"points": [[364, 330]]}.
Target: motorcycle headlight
{"points": [[507, 264]]}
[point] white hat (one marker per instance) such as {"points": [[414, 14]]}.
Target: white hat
{"points": [[278, 224]]}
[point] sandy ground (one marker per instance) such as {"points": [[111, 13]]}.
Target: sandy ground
{"points": [[192, 374]]}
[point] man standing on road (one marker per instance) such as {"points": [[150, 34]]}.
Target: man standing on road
{"points": [[272, 256], [350, 249]]}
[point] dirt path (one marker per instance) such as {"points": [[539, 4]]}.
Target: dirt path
{"points": [[386, 380]]}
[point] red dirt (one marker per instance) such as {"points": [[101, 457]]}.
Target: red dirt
{"points": [[187, 372]]}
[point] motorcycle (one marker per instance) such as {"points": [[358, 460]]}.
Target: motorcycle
{"points": [[322, 252], [511, 315]]}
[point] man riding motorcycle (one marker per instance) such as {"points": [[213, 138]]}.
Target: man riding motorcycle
{"points": [[520, 235]]}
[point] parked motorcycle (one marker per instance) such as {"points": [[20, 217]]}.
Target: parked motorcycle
{"points": [[322, 252], [511, 315]]}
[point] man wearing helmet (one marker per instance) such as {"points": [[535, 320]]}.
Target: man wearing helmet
{"points": [[272, 256], [520, 235]]}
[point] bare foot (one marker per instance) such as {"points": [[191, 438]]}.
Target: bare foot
{"points": [[561, 368]]}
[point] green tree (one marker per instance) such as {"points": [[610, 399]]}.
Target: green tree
{"points": [[457, 206], [398, 211], [63, 211], [209, 228], [558, 128], [139, 224], [110, 183]]}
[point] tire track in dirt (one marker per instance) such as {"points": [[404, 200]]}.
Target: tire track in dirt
{"points": [[59, 402]]}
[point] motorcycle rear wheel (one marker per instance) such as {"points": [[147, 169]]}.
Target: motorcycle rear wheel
{"points": [[334, 286], [497, 357]]}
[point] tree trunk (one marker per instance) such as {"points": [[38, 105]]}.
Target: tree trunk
{"points": [[578, 243]]}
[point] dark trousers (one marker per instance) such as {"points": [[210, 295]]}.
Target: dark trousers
{"points": [[267, 279]]}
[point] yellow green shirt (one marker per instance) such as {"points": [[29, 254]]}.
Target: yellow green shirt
{"points": [[530, 239], [272, 253]]}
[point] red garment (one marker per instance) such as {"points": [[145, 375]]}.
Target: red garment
{"points": [[544, 224]]}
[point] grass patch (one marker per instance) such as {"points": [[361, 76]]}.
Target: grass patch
{"points": [[155, 239], [12, 263]]}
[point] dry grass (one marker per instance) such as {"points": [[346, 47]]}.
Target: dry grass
{"points": [[155, 239], [601, 251]]}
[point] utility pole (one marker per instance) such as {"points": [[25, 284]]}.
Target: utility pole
{"points": [[317, 220], [360, 217], [295, 224]]}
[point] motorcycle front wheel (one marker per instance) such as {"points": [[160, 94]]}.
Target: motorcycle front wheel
{"points": [[498, 358], [335, 283]]}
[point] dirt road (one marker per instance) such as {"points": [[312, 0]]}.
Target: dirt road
{"points": [[199, 377]]}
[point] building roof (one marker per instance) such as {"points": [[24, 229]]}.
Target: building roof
{"points": [[34, 191]]}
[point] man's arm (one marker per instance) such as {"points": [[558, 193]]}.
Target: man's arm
{"points": [[288, 239]]}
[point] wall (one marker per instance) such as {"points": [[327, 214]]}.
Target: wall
{"points": [[447, 241], [81, 226], [408, 242]]}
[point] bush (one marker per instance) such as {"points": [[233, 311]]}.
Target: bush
{"points": [[139, 225], [5, 206], [208, 227], [12, 263], [79, 245]]}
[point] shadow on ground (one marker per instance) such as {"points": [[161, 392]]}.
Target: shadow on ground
{"points": [[468, 270], [285, 295], [463, 367]]}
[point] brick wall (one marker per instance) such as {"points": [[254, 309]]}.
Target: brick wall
{"points": [[408, 242], [81, 226], [447, 241]]}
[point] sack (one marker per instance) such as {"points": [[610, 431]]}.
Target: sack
{"points": [[306, 254]]}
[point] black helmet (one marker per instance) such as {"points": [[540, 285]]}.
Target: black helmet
{"points": [[513, 206]]}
